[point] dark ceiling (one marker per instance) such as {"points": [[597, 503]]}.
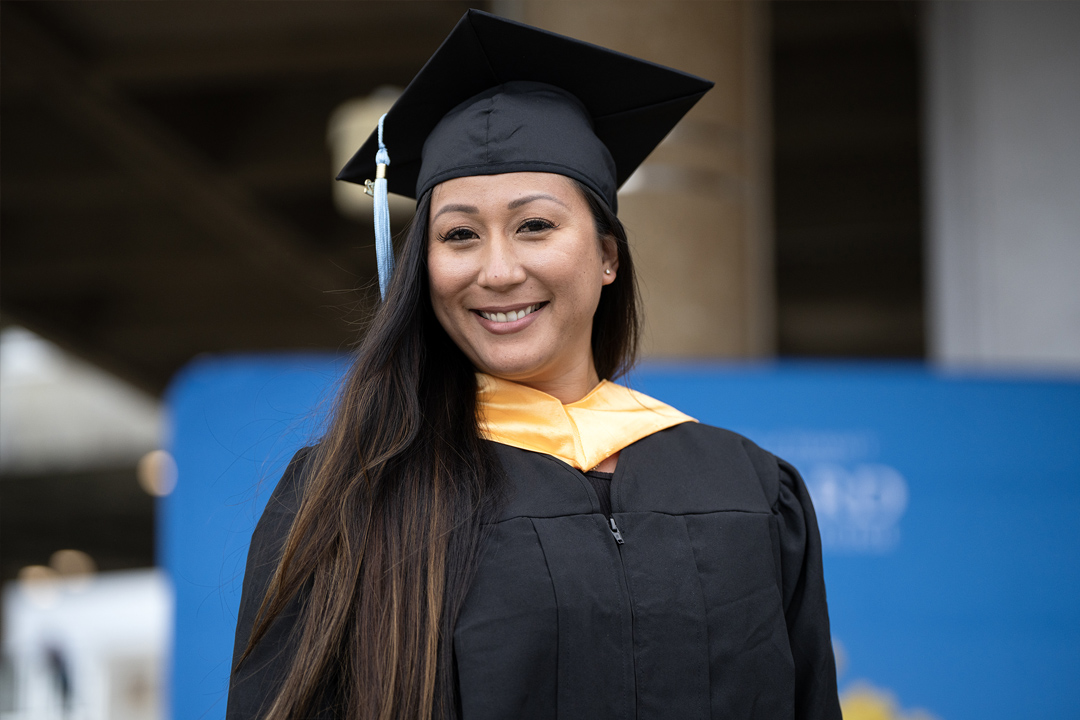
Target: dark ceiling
{"points": [[166, 184]]}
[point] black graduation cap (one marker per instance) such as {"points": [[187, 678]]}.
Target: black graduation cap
{"points": [[499, 96]]}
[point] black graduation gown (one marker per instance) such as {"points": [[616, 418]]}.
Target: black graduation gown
{"points": [[712, 606]]}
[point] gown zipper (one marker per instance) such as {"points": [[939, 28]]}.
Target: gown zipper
{"points": [[615, 530]]}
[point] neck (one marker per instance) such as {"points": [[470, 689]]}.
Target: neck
{"points": [[568, 387]]}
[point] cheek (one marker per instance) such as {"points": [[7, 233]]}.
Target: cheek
{"points": [[577, 274], [440, 273], [437, 284], [446, 279]]}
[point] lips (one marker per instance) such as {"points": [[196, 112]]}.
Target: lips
{"points": [[511, 316]]}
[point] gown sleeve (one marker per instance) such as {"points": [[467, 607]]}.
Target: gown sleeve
{"points": [[253, 685], [805, 609]]}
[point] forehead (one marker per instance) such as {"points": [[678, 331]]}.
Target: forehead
{"points": [[491, 192]]}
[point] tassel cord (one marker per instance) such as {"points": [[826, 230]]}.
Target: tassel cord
{"points": [[384, 247]]}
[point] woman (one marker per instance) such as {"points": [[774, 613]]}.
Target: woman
{"points": [[490, 528]]}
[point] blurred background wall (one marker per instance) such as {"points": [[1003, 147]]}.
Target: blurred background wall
{"points": [[888, 180]]}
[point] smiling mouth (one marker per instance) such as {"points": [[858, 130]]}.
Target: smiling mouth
{"points": [[511, 316]]}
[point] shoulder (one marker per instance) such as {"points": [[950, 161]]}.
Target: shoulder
{"points": [[290, 488], [284, 502], [712, 468]]}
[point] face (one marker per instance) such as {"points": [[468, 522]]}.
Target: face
{"points": [[516, 268]]}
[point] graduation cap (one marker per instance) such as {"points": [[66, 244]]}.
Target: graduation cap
{"points": [[499, 96]]}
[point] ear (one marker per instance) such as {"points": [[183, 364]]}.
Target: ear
{"points": [[609, 256]]}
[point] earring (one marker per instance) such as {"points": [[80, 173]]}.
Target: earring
{"points": [[607, 271]]}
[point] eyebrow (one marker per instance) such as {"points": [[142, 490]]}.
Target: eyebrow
{"points": [[468, 209], [530, 198]]}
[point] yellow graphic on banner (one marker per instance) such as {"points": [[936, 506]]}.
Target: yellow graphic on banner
{"points": [[862, 701]]}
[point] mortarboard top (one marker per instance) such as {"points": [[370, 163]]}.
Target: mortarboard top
{"points": [[549, 103]]}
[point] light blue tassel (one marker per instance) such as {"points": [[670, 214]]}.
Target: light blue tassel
{"points": [[384, 248]]}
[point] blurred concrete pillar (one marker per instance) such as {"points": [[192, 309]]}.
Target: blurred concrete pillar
{"points": [[1003, 164], [698, 211]]}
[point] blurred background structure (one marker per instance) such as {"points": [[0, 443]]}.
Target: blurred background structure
{"points": [[888, 180]]}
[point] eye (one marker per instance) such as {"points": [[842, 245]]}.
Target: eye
{"points": [[533, 225], [457, 235]]}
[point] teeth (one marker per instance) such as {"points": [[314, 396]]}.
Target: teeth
{"points": [[510, 316]]}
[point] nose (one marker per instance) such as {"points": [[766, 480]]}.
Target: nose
{"points": [[501, 268]]}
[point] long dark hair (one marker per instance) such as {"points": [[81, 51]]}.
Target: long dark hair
{"points": [[398, 493]]}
